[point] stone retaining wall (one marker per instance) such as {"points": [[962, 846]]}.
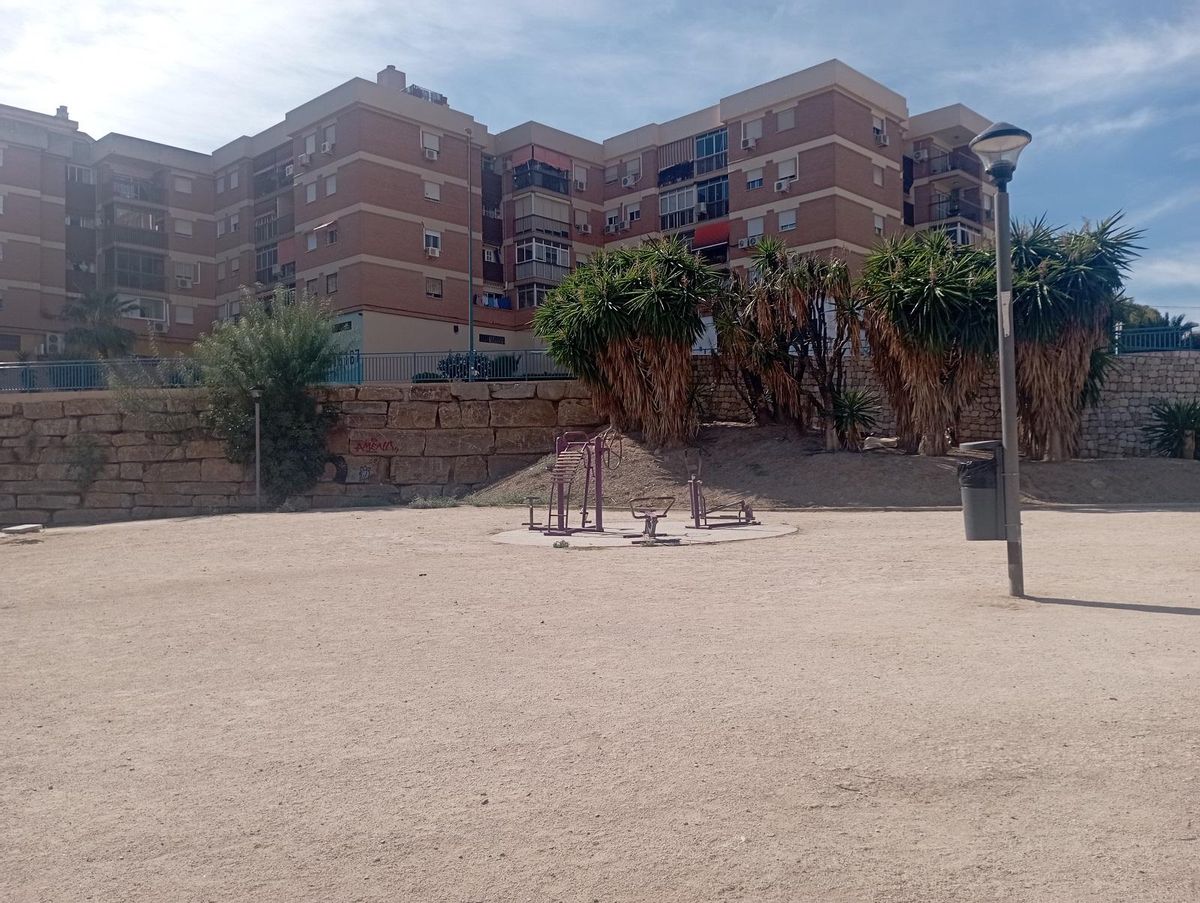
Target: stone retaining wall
{"points": [[70, 458]]}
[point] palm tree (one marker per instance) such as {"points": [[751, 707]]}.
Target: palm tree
{"points": [[624, 323], [97, 331]]}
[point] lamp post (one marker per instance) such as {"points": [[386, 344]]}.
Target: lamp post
{"points": [[998, 147], [256, 394], [470, 259]]}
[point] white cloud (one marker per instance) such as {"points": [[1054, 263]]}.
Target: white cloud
{"points": [[1069, 134], [1180, 198], [1177, 267]]}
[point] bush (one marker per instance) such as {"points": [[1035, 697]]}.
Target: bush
{"points": [[283, 348], [855, 414], [428, 377], [1171, 421]]}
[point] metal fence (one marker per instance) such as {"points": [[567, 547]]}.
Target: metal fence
{"points": [[1138, 339], [72, 376]]}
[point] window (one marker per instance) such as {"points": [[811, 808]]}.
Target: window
{"points": [[581, 218], [489, 255], [185, 315], [433, 191], [1, 250], [633, 212], [612, 217], [433, 240], [677, 208], [543, 251], [610, 174], [79, 220], [580, 174], [787, 169], [329, 134], [220, 184], [310, 192], [310, 287], [1, 205], [220, 269], [431, 142], [81, 175], [186, 275], [331, 284], [785, 119], [183, 227], [310, 241], [487, 339], [9, 342], [183, 186], [754, 178], [752, 129], [878, 125], [331, 185], [235, 264], [877, 175], [711, 151], [146, 309], [221, 227], [633, 168], [233, 222], [331, 235], [233, 178], [310, 143], [2, 159], [433, 287], [712, 198], [787, 220], [754, 227], [987, 203], [532, 295], [879, 223]]}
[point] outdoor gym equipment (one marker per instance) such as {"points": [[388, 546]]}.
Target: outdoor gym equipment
{"points": [[575, 452], [649, 509], [728, 514]]}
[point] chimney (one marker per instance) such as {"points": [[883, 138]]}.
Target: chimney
{"points": [[62, 112], [391, 77]]}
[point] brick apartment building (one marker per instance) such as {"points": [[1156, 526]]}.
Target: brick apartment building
{"points": [[366, 194]]}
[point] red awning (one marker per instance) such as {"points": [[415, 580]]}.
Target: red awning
{"points": [[709, 234]]}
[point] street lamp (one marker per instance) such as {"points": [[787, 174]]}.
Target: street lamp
{"points": [[256, 394], [998, 147], [470, 258]]}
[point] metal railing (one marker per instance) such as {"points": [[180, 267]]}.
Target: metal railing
{"points": [[537, 269], [955, 161], [951, 207], [74, 376], [1138, 339], [543, 224]]}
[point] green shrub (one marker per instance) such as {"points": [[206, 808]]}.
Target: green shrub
{"points": [[429, 377], [85, 460], [434, 501], [1171, 421], [855, 413], [284, 349]]}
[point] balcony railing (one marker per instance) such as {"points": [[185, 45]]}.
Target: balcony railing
{"points": [[146, 282], [1133, 340], [266, 232], [537, 269], [951, 208], [955, 161], [493, 271], [493, 230], [132, 235], [134, 191], [354, 368], [538, 179], [542, 224]]}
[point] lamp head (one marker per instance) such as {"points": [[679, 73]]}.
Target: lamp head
{"points": [[998, 146], [256, 392]]}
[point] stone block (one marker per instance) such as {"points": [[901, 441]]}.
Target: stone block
{"points": [[122, 439], [524, 412], [382, 393], [420, 470], [470, 391], [63, 426], [365, 407], [7, 409], [131, 470], [574, 388], [173, 472], [48, 502], [512, 390], [469, 469], [203, 448], [412, 415], [552, 390], [420, 491], [198, 488], [502, 465], [526, 440], [157, 422], [93, 499], [163, 499], [475, 414], [8, 502], [66, 518], [219, 470], [365, 421], [329, 489], [100, 423], [146, 512], [117, 486], [42, 410], [12, 427], [90, 406], [459, 442], [339, 393], [578, 412], [70, 472], [150, 453], [337, 441], [386, 442], [25, 517], [430, 392], [211, 502], [16, 472], [365, 469], [449, 415]]}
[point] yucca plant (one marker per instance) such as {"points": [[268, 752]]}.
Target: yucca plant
{"points": [[856, 414], [1173, 421], [95, 326]]}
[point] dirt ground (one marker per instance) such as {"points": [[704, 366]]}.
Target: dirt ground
{"points": [[386, 705], [774, 468]]}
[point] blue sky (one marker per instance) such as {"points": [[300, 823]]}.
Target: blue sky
{"points": [[1111, 90]]}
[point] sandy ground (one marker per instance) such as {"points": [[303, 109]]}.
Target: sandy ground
{"points": [[385, 705], [774, 468]]}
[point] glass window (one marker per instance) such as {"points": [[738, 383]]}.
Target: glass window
{"points": [[331, 185], [233, 222], [544, 251], [633, 168], [233, 178], [581, 217], [183, 186], [311, 241], [877, 175], [752, 130], [185, 315], [331, 235], [310, 287], [330, 133], [433, 191], [787, 220], [433, 287], [787, 168], [580, 174], [433, 240], [677, 208], [879, 223], [430, 141], [221, 225], [183, 227], [487, 339], [612, 217], [310, 143], [310, 192], [235, 264], [79, 174], [633, 212], [785, 119], [754, 226], [220, 269], [610, 173], [331, 284], [220, 184], [754, 178], [711, 150], [146, 309], [878, 125], [532, 295], [712, 197]]}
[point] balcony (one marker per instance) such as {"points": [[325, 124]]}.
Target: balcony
{"points": [[535, 174], [146, 282], [273, 274], [493, 230], [131, 235], [272, 181], [493, 271], [134, 190], [952, 208], [536, 269], [541, 224], [270, 231], [955, 162]]}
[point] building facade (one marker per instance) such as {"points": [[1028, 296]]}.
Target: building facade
{"points": [[405, 212]]}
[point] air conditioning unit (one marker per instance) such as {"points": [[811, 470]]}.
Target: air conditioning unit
{"points": [[623, 225], [753, 240], [305, 159], [181, 282], [783, 185], [920, 156], [431, 153], [702, 210], [327, 147], [158, 327], [749, 143], [610, 228], [743, 243], [55, 341], [580, 185], [882, 139], [433, 252], [628, 181], [288, 170], [584, 228]]}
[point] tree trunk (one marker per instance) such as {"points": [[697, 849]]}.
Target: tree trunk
{"points": [[1188, 445], [831, 437]]}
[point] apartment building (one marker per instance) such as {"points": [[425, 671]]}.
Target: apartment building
{"points": [[407, 213]]}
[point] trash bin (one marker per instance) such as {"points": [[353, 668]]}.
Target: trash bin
{"points": [[982, 493]]}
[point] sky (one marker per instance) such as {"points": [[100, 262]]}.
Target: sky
{"points": [[1110, 90]]}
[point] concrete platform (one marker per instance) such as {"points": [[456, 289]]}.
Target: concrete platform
{"points": [[620, 533]]}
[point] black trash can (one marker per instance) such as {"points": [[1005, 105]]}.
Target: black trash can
{"points": [[982, 496]]}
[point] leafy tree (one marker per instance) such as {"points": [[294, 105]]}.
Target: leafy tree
{"points": [[284, 348], [96, 330], [624, 323]]}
